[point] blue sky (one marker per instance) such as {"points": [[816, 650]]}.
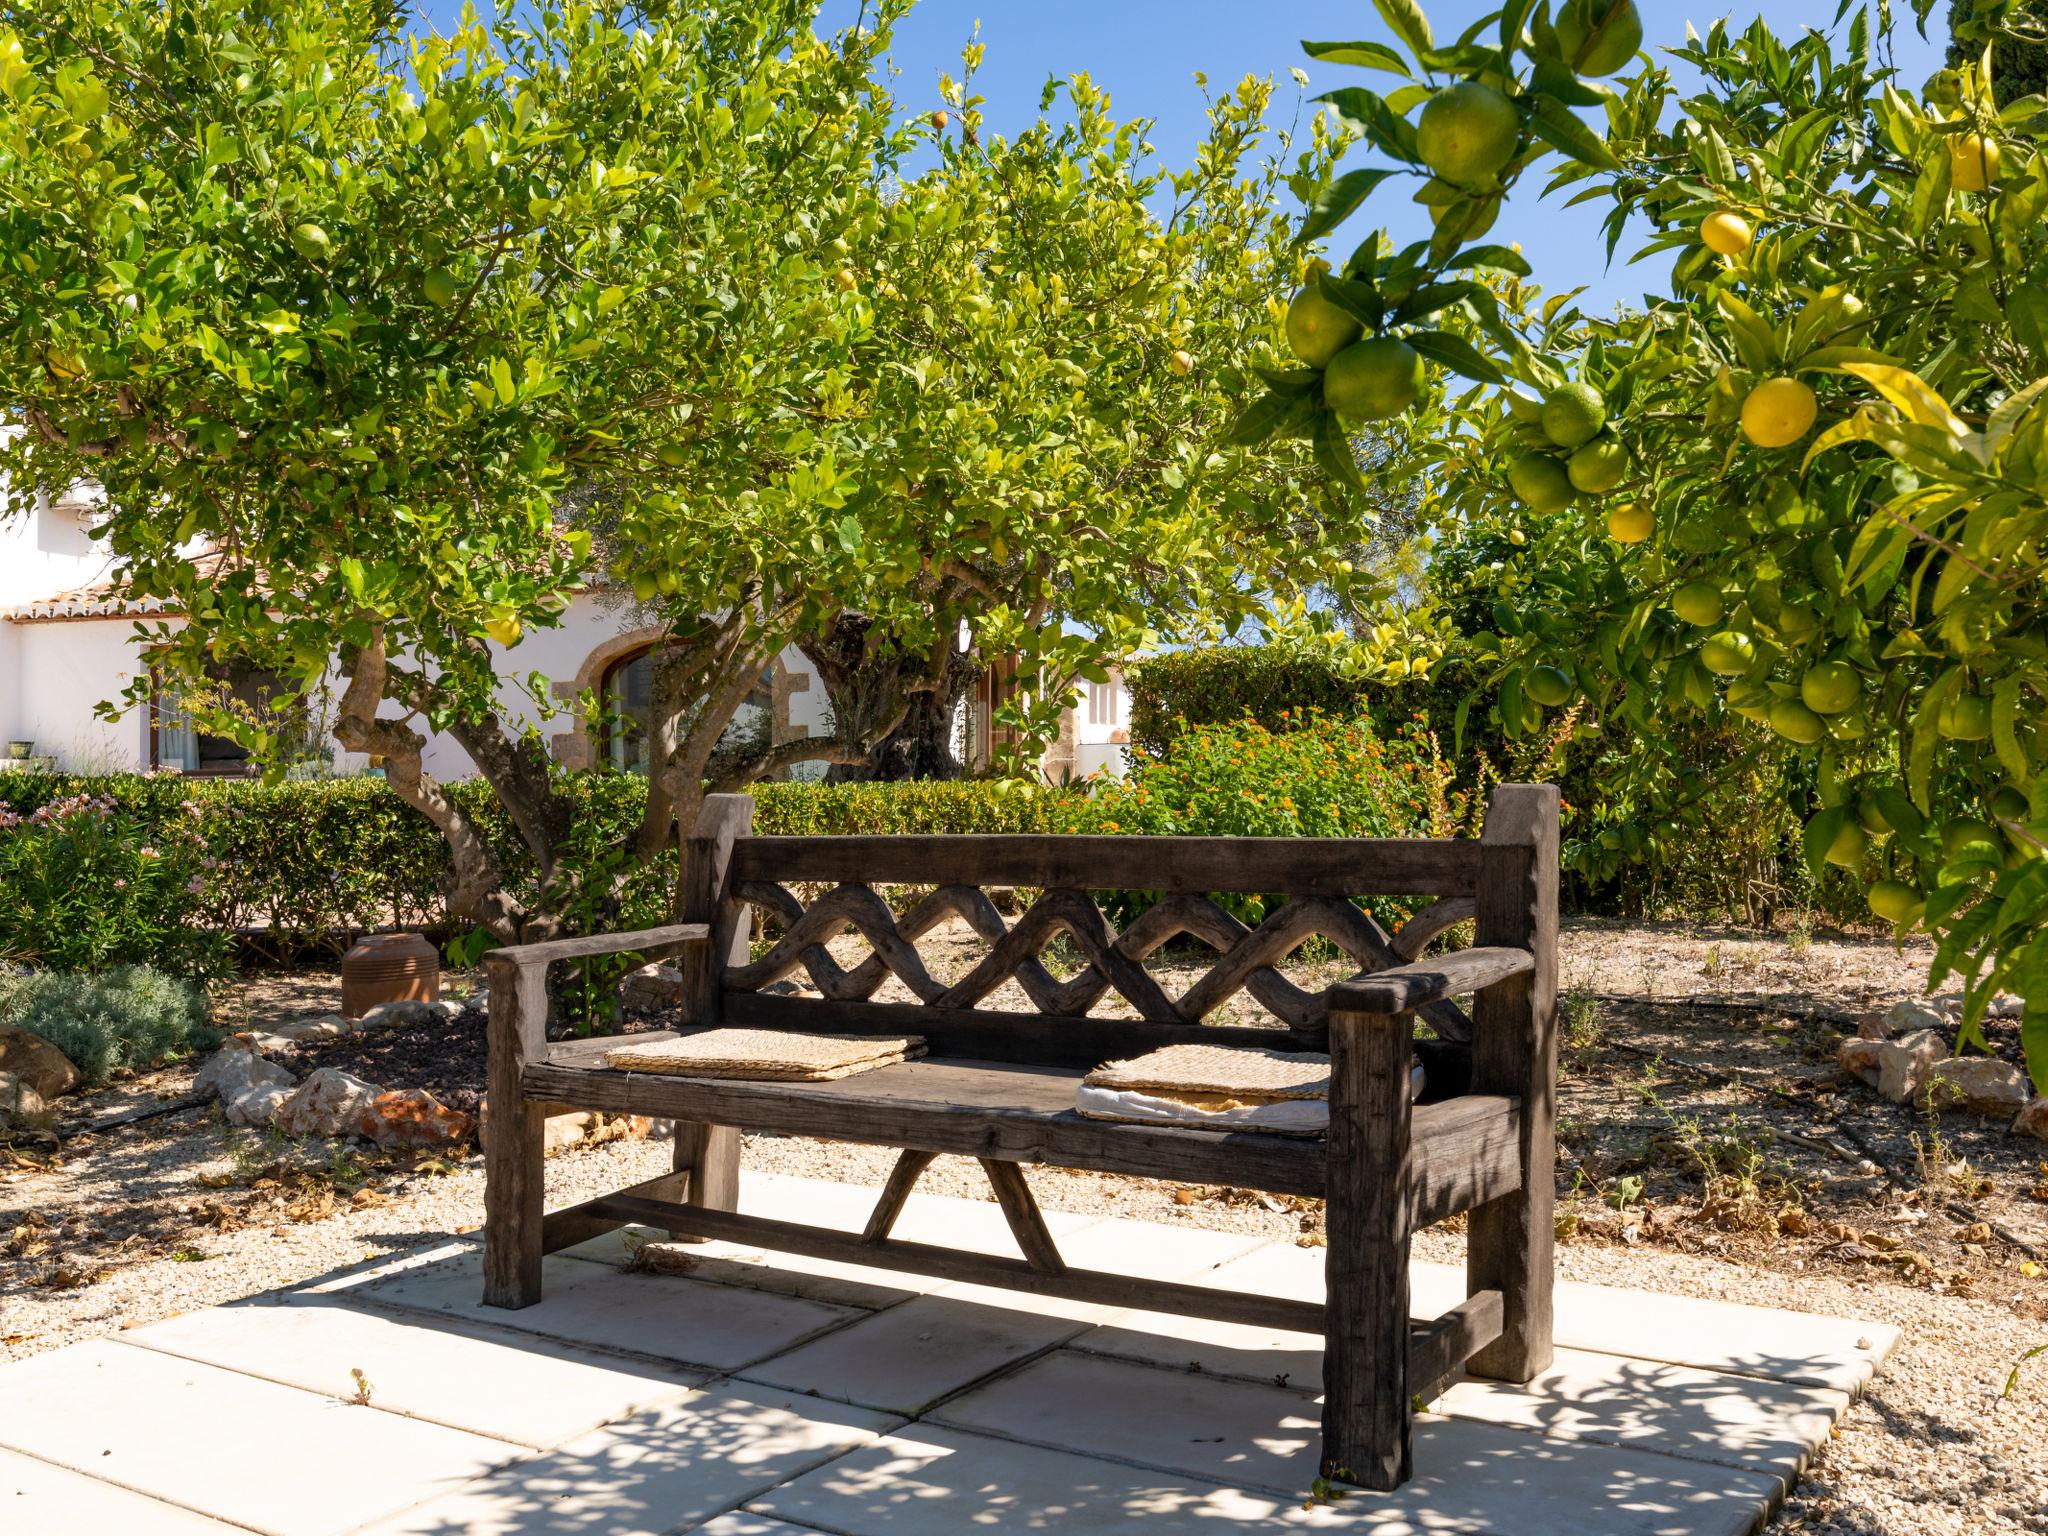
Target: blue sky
{"points": [[1146, 53]]}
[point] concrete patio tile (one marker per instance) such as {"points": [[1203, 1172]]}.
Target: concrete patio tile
{"points": [[1690, 1330], [253, 1453], [740, 1523], [1237, 1350], [663, 1470], [683, 1321], [1469, 1475], [1123, 1248], [510, 1386], [930, 1481], [38, 1498], [1736, 1421], [905, 1359], [828, 1281]]}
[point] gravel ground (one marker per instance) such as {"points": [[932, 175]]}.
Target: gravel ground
{"points": [[129, 1226]]}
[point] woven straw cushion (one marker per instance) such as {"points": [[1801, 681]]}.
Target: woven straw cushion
{"points": [[1243, 1073], [768, 1055]]}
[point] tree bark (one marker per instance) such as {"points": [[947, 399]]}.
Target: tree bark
{"points": [[868, 679]]}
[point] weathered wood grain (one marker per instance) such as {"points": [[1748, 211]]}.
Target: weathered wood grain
{"points": [[1020, 1210], [1303, 866], [1407, 988], [1367, 1410], [910, 1167], [1514, 1051], [1441, 1345], [514, 1176]]}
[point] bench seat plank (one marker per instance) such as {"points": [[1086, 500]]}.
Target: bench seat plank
{"points": [[1465, 1148]]}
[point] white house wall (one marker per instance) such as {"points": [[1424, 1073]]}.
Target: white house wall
{"points": [[60, 673]]}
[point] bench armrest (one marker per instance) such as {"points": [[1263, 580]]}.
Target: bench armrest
{"points": [[1404, 988], [674, 937]]}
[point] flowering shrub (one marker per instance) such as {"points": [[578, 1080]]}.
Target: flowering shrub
{"points": [[89, 885], [1312, 776]]}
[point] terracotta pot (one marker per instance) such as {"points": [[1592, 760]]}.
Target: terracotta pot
{"points": [[389, 968]]}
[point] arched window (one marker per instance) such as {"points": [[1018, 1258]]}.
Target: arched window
{"points": [[628, 693]]}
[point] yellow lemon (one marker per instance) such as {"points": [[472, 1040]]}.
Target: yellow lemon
{"points": [[1778, 412], [1182, 362], [1630, 523], [1725, 233], [505, 631], [1972, 162]]}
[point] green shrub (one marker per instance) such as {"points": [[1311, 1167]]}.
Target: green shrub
{"points": [[90, 884], [1219, 684], [124, 1020], [1314, 776]]}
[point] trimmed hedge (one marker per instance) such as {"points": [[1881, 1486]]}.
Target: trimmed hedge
{"points": [[308, 862]]}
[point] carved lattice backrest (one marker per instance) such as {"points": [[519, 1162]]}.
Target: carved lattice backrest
{"points": [[1248, 959]]}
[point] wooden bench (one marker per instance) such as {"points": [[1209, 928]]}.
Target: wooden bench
{"points": [[999, 1085]]}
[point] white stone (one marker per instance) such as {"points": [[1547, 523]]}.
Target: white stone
{"points": [[654, 985], [2033, 1120], [325, 1104], [663, 1470], [408, 1013], [740, 1523], [41, 1500], [235, 1068], [687, 1322], [1915, 1013], [1980, 1085], [1894, 1067], [527, 1390], [20, 1105], [272, 1458], [255, 1105], [319, 1026]]}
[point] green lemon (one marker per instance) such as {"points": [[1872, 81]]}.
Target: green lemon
{"points": [[674, 455], [1373, 379], [1795, 722], [1468, 132], [439, 287], [1541, 482], [1574, 414], [1896, 902], [1598, 466], [2009, 803], [1730, 652], [1829, 687], [1599, 37], [1796, 621], [1700, 604], [1966, 832], [310, 241], [1318, 330], [1848, 847], [1548, 685], [1965, 718], [1872, 815]]}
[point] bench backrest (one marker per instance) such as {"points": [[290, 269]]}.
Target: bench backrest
{"points": [[734, 879]]}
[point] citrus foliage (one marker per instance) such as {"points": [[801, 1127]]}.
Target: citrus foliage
{"points": [[361, 310], [1825, 508]]}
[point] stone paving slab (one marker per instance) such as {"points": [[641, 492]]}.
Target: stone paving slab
{"points": [[1682, 1418], [687, 1322], [662, 1470], [532, 1391], [829, 1281], [272, 1458], [37, 1499]]}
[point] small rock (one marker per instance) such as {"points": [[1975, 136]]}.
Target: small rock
{"points": [[1870, 1025], [1893, 1067], [412, 1118], [1916, 1013], [36, 1062], [21, 1107], [325, 1104], [2033, 1120], [1982, 1085], [237, 1067], [409, 1014], [2005, 1006], [319, 1026], [652, 986], [579, 1127], [255, 1104]]}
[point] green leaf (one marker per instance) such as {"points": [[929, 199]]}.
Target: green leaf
{"points": [[1334, 453], [1365, 55], [1556, 124], [2005, 718], [1259, 420], [1820, 836], [1456, 354], [1408, 22], [1501, 258], [1337, 202]]}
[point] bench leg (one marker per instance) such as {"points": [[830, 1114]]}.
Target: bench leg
{"points": [[1367, 1412], [710, 1155], [513, 1175], [1508, 1249]]}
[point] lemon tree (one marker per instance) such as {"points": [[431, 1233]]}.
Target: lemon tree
{"points": [[1820, 528]]}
